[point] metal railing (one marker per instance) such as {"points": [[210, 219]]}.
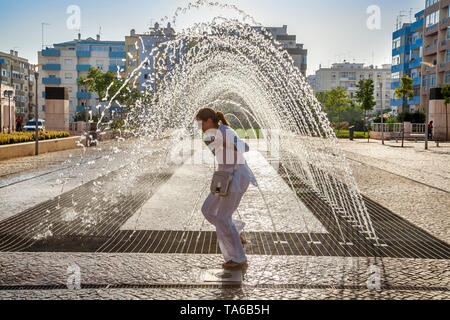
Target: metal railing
{"points": [[418, 128], [387, 127]]}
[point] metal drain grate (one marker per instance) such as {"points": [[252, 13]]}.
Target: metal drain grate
{"points": [[404, 240]]}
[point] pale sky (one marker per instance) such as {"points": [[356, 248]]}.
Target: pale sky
{"points": [[331, 30]]}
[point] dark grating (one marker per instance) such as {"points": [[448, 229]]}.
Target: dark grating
{"points": [[404, 240]]}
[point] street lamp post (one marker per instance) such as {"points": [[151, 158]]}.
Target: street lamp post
{"points": [[36, 110], [36, 114], [86, 108], [8, 94], [382, 111]]}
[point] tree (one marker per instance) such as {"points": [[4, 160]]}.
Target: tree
{"points": [[107, 85], [334, 102], [364, 96], [405, 92], [446, 93]]}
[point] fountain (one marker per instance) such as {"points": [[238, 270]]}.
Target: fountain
{"points": [[205, 65]]}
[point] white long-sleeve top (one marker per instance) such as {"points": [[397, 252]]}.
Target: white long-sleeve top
{"points": [[230, 159]]}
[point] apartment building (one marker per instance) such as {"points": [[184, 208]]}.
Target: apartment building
{"points": [[18, 73], [289, 42], [65, 63], [407, 58], [347, 75], [140, 48], [436, 43]]}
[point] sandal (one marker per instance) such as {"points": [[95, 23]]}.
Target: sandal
{"points": [[243, 240]]}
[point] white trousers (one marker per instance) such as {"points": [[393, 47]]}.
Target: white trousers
{"points": [[219, 212]]}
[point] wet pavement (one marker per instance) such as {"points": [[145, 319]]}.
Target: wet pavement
{"points": [[273, 274]]}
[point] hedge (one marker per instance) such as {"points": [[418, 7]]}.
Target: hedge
{"points": [[345, 134], [21, 137]]}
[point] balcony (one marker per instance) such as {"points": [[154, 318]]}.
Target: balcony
{"points": [[430, 50], [399, 102], [399, 50], [117, 55], [417, 44], [83, 108], [84, 95], [397, 68], [83, 54], [417, 25], [51, 53], [55, 81], [444, 45], [432, 29], [444, 23], [415, 63], [114, 68], [53, 67], [444, 67], [83, 67]]}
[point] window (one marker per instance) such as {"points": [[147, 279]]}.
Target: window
{"points": [[100, 48], [447, 56], [118, 49], [396, 60], [447, 77], [429, 3], [68, 76], [68, 62], [433, 80], [425, 82], [396, 75], [397, 43], [432, 19]]}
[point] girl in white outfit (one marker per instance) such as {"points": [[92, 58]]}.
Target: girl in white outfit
{"points": [[228, 149]]}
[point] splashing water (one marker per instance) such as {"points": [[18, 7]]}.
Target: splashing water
{"points": [[209, 64], [234, 65]]}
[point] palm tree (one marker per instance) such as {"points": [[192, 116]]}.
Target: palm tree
{"points": [[405, 92]]}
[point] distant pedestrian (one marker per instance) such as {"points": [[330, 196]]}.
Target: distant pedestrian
{"points": [[19, 124], [430, 130]]}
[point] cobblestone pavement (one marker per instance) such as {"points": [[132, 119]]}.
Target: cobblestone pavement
{"points": [[405, 181], [266, 278], [177, 276]]}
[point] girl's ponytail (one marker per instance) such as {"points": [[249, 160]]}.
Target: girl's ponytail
{"points": [[221, 118]]}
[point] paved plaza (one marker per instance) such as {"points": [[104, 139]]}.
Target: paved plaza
{"points": [[150, 241]]}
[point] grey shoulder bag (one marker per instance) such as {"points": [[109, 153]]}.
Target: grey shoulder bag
{"points": [[221, 183]]}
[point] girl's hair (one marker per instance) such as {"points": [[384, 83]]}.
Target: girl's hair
{"points": [[216, 116]]}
